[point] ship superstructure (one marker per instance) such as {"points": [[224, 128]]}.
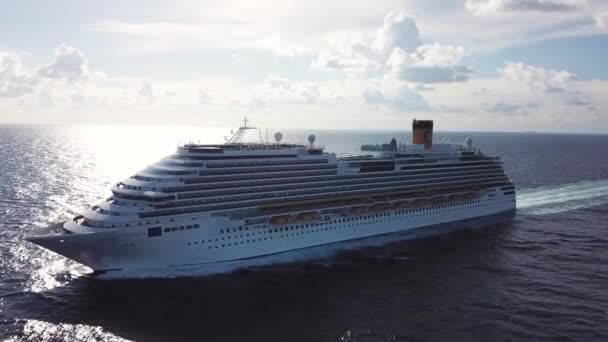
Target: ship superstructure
{"points": [[238, 200]]}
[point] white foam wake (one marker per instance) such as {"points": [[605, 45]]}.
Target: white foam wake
{"points": [[554, 199]]}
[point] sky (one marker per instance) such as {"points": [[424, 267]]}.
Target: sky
{"points": [[470, 65]]}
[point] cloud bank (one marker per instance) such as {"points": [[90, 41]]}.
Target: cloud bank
{"points": [[481, 7]]}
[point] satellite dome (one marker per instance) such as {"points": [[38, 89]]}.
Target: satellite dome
{"points": [[469, 142], [278, 136], [311, 139]]}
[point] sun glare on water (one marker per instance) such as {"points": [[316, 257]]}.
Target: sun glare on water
{"points": [[119, 151]]}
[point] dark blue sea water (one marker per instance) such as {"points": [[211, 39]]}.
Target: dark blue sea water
{"points": [[540, 274]]}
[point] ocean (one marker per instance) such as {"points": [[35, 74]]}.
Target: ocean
{"points": [[539, 274]]}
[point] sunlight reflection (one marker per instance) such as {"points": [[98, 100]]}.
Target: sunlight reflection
{"points": [[119, 151], [35, 330]]}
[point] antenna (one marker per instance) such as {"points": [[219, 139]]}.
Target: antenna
{"points": [[238, 136]]}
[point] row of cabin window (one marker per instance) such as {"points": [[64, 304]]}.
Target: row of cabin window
{"points": [[245, 196], [254, 169], [323, 178], [368, 217], [276, 230], [269, 163], [210, 207], [310, 225], [335, 186], [235, 177], [176, 228], [254, 176]]}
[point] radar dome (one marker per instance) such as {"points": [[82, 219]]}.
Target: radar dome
{"points": [[278, 136], [469, 142], [311, 139]]}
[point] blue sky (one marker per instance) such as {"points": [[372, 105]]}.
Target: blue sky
{"points": [[500, 65]]}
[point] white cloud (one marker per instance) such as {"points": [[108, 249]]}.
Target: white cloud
{"points": [[435, 74], [601, 20], [276, 44], [538, 78], [146, 91], [400, 98], [361, 53], [388, 67], [493, 6], [291, 27], [513, 108], [204, 97], [277, 89], [577, 102], [69, 64], [397, 31], [239, 58], [155, 36], [430, 63], [15, 81], [397, 50], [440, 55]]}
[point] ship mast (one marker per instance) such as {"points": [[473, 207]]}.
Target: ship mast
{"points": [[239, 135]]}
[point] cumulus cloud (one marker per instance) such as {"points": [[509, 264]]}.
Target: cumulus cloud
{"points": [[601, 20], [204, 97], [513, 108], [439, 55], [277, 89], [397, 31], [538, 78], [493, 6], [435, 74], [69, 64], [577, 102], [279, 46], [146, 91], [398, 51], [431, 63], [239, 58], [15, 81], [400, 98], [348, 59]]}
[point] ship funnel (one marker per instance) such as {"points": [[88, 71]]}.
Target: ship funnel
{"points": [[422, 133]]}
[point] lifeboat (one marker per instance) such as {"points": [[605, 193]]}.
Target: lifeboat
{"points": [[308, 216], [421, 202], [455, 197], [281, 219], [359, 209], [438, 199], [403, 204], [468, 196], [381, 207]]}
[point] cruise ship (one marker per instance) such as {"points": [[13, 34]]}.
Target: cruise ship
{"points": [[215, 203]]}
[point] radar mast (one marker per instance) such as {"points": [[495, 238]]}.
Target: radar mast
{"points": [[239, 135]]}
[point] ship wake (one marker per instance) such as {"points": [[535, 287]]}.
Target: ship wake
{"points": [[565, 197]]}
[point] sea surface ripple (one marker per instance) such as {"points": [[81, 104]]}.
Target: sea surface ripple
{"points": [[540, 274]]}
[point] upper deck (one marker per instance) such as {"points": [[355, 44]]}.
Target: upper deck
{"points": [[236, 175]]}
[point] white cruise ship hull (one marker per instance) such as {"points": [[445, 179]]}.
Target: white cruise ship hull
{"points": [[219, 239]]}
